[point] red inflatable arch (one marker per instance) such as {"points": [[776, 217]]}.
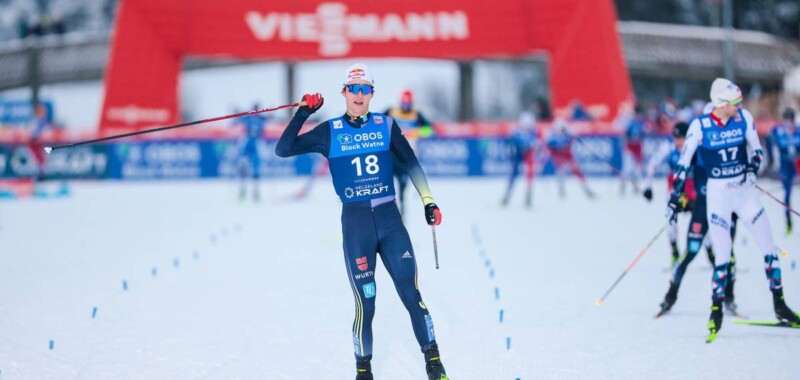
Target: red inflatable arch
{"points": [[152, 37]]}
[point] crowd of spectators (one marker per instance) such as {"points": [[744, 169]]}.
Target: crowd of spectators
{"points": [[21, 19]]}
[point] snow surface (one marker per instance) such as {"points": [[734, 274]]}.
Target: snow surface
{"points": [[259, 291]]}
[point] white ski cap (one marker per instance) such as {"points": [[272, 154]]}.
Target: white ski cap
{"points": [[725, 92], [359, 73]]}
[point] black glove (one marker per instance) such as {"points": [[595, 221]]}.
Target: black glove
{"points": [[751, 170], [313, 102], [432, 214], [675, 205], [648, 194], [749, 178]]}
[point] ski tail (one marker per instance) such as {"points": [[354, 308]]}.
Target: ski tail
{"points": [[767, 323]]}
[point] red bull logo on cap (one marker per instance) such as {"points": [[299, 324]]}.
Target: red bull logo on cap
{"points": [[356, 74], [358, 71]]}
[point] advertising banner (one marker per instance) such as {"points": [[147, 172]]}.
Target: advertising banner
{"points": [[597, 155], [80, 162], [183, 159], [21, 113]]}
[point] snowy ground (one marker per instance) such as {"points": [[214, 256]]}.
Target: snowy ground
{"points": [[219, 289]]}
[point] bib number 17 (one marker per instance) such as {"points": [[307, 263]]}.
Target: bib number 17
{"points": [[732, 150], [371, 166]]}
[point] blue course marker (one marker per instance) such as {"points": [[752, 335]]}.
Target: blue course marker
{"points": [[487, 263], [154, 271], [94, 312], [176, 262], [124, 285], [491, 273], [213, 239], [196, 255], [52, 344], [501, 315], [508, 343], [496, 293]]}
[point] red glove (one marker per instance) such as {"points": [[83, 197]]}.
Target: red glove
{"points": [[432, 214], [313, 102]]}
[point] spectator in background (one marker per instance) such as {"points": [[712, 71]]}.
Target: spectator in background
{"points": [[579, 112], [698, 109], [42, 122], [23, 26], [250, 160], [414, 126], [559, 145], [783, 144], [633, 159], [28, 25], [543, 109], [523, 144], [667, 112]]}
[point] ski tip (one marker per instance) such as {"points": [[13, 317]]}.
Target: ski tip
{"points": [[48, 149], [784, 253], [711, 337], [599, 302]]}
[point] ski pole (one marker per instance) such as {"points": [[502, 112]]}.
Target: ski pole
{"points": [[639, 256], [49, 149], [435, 248], [777, 200]]}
